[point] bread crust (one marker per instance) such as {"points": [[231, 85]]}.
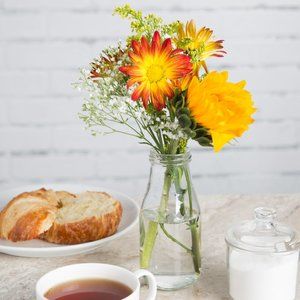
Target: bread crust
{"points": [[64, 195], [86, 230], [32, 215], [28, 226], [27, 215]]}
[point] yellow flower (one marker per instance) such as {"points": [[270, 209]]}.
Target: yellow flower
{"points": [[224, 108], [155, 68], [198, 43]]}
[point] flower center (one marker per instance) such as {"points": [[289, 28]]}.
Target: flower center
{"points": [[155, 73]]}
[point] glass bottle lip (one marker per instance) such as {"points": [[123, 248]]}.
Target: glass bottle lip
{"points": [[169, 159], [263, 234]]}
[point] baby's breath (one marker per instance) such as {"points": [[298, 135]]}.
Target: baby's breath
{"points": [[107, 107]]}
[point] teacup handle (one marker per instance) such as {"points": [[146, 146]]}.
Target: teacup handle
{"points": [[151, 283]]}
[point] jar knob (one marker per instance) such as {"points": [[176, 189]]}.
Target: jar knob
{"points": [[265, 214], [265, 218]]}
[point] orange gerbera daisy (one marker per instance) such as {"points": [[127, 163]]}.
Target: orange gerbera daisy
{"points": [[223, 107], [155, 68], [198, 43]]}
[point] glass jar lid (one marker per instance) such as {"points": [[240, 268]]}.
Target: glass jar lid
{"points": [[263, 234]]}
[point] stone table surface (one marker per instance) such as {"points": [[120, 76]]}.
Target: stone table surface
{"points": [[18, 275]]}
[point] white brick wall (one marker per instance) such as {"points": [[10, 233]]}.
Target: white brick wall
{"points": [[53, 166], [43, 43], [43, 111], [22, 83]]}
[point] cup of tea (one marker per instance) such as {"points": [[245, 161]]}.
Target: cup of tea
{"points": [[93, 281]]}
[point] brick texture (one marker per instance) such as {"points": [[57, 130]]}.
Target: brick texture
{"points": [[44, 43]]}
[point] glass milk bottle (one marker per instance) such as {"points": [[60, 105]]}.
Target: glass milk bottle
{"points": [[262, 259], [170, 223]]}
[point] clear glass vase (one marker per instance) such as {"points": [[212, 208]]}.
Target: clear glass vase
{"points": [[170, 223]]}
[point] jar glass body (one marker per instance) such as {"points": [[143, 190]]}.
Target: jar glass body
{"points": [[262, 276], [262, 258], [170, 223]]}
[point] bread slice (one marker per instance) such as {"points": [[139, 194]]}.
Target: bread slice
{"points": [[28, 215], [63, 197], [88, 217]]}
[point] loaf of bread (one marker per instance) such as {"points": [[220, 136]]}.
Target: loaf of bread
{"points": [[60, 217], [87, 217], [63, 196], [28, 215]]}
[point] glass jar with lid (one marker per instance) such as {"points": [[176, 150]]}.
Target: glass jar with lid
{"points": [[262, 259]]}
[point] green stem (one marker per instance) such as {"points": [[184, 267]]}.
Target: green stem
{"points": [[151, 233], [180, 192], [195, 245], [148, 245], [174, 239], [152, 134], [195, 233]]}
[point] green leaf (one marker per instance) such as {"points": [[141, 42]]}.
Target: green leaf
{"points": [[203, 141], [182, 209], [184, 121], [188, 131], [194, 124], [178, 103], [183, 111], [200, 131], [193, 134]]}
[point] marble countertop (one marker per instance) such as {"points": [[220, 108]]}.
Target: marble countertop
{"points": [[18, 275]]}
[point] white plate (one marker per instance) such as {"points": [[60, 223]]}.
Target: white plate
{"points": [[38, 248]]}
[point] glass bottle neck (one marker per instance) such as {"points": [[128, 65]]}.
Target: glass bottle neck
{"points": [[170, 190], [169, 160]]}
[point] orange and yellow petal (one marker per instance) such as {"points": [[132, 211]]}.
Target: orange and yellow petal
{"points": [[155, 68], [224, 108], [190, 39]]}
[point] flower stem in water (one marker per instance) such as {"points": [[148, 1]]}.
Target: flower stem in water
{"points": [[151, 233]]}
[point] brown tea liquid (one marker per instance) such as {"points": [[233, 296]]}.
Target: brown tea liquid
{"points": [[89, 289]]}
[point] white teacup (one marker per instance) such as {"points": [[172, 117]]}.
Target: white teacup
{"points": [[94, 270]]}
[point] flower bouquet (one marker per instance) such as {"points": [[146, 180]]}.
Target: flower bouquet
{"points": [[157, 87]]}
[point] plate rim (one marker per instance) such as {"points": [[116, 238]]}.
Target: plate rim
{"points": [[89, 246]]}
